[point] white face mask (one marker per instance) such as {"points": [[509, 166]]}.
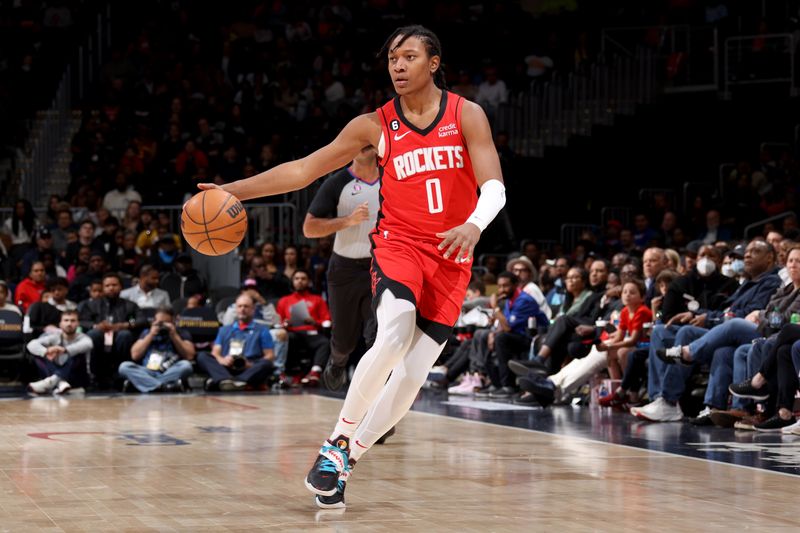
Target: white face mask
{"points": [[738, 266], [727, 271], [706, 266]]}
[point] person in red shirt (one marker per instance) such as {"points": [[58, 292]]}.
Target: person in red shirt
{"points": [[630, 332], [436, 150], [31, 288], [304, 314]]}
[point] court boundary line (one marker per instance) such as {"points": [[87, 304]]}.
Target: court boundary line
{"points": [[587, 439]]}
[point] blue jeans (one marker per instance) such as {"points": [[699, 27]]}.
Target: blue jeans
{"points": [[257, 374], [747, 361], [146, 380], [674, 377], [281, 350], [70, 371], [661, 337], [733, 333]]}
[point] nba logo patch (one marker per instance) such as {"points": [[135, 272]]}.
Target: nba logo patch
{"points": [[356, 188]]}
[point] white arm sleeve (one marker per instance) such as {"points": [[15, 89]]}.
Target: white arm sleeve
{"points": [[491, 201]]}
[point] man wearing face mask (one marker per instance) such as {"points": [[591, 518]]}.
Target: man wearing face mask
{"points": [[704, 287], [733, 265], [666, 382]]}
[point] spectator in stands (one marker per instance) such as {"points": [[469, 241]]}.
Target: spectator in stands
{"points": [[86, 235], [512, 339], [703, 287], [643, 234], [555, 298], [270, 286], [304, 316], [132, 221], [163, 256], [190, 160], [78, 289], [4, 305], [64, 226], [30, 289], [95, 292], [161, 357], [465, 87], [242, 353], [118, 199], [43, 243], [60, 356], [146, 293], [290, 258], [665, 385], [630, 332], [714, 231], [107, 241], [527, 275], [269, 254], [58, 288], [110, 322], [129, 259], [673, 260], [491, 92], [774, 238], [669, 223], [654, 261], [184, 280], [20, 227]]}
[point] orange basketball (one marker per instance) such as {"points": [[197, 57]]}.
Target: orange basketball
{"points": [[213, 222]]}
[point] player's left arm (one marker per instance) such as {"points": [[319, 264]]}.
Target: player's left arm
{"points": [[486, 166]]}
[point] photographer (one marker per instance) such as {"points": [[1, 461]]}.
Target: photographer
{"points": [[242, 354], [160, 357]]}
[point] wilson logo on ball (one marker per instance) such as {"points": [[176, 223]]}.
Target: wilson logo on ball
{"points": [[235, 209]]}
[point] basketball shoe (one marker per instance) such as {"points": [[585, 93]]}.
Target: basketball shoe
{"points": [[333, 459], [336, 501]]}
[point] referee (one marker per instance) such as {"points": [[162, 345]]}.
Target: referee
{"points": [[347, 204]]}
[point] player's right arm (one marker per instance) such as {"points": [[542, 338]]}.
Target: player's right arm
{"points": [[316, 227], [364, 130]]}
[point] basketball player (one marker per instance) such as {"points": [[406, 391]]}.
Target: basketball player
{"points": [[435, 149], [350, 197]]}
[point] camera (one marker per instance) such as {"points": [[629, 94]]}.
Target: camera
{"points": [[239, 362]]}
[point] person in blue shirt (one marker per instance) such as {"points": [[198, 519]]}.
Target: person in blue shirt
{"points": [[242, 353], [512, 340]]}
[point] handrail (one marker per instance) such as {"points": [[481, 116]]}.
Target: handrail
{"points": [[763, 222], [753, 76]]}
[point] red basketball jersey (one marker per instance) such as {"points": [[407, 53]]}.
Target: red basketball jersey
{"points": [[428, 185]]}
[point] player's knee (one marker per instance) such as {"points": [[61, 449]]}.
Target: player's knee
{"points": [[399, 334]]}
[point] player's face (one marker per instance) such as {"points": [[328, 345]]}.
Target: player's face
{"points": [[410, 67]]}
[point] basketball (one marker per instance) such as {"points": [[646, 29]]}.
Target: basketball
{"points": [[213, 222]]}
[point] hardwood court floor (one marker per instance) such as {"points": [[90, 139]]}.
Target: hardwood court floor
{"points": [[236, 463]]}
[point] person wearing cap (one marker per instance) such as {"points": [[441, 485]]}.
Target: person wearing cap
{"points": [[184, 280], [166, 250], [44, 243], [733, 264], [146, 293], [528, 277], [31, 288]]}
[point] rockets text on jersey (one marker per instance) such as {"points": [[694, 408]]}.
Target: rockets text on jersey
{"points": [[428, 185]]}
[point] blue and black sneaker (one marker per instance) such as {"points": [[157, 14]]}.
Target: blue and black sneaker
{"points": [[333, 460], [337, 500]]}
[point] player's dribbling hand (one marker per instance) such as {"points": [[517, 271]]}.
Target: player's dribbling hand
{"points": [[461, 239]]}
